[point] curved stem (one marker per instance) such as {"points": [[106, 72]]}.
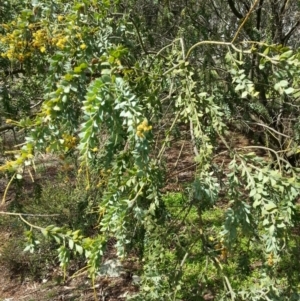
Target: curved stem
{"points": [[6, 189], [206, 42], [29, 224]]}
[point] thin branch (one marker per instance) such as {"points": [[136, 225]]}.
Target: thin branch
{"points": [[138, 35], [232, 293], [271, 129], [29, 224], [6, 189], [27, 214], [159, 156], [199, 44], [269, 150], [181, 170], [38, 103], [258, 20], [244, 21], [179, 155], [284, 6], [193, 138]]}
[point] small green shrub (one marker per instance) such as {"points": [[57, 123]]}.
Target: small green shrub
{"points": [[35, 265], [60, 201]]}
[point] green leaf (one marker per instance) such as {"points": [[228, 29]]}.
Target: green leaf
{"points": [[289, 90], [77, 69], [270, 206], [256, 203], [67, 89], [244, 94], [272, 229], [27, 248], [79, 249], [286, 55], [106, 72], [71, 244], [281, 225], [83, 65], [266, 51], [282, 84], [45, 232], [260, 177], [252, 192], [273, 182], [57, 238], [265, 222]]}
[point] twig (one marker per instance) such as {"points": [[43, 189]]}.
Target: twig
{"points": [[138, 35], [29, 224], [206, 42], [181, 170], [38, 103], [6, 189], [179, 155], [271, 129], [232, 293], [243, 23], [166, 140], [193, 139], [27, 214]]}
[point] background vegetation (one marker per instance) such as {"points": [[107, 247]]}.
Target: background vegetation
{"points": [[110, 87]]}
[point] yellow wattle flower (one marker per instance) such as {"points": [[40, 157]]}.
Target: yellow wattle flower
{"points": [[83, 46], [43, 49]]}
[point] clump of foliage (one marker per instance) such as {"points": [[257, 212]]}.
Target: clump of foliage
{"points": [[106, 87]]}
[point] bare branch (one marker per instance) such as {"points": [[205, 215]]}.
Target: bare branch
{"points": [[27, 214], [271, 129], [258, 20], [284, 6], [234, 10], [289, 34], [244, 21]]}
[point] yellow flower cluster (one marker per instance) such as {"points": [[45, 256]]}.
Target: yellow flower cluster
{"points": [[104, 176], [69, 141], [21, 42], [221, 247], [40, 40], [271, 259], [60, 42], [143, 128], [21, 156], [17, 47], [83, 46]]}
